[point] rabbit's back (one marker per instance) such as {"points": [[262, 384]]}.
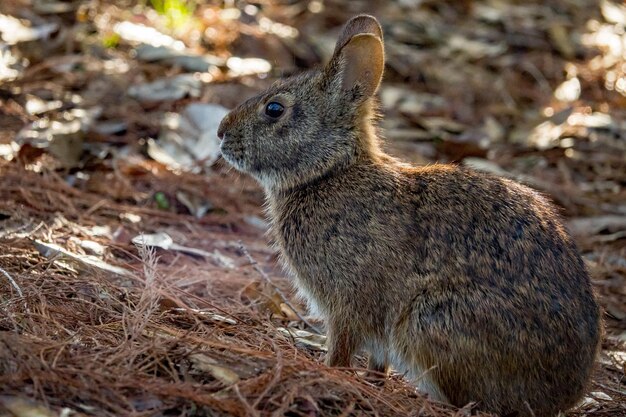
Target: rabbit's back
{"points": [[505, 310]]}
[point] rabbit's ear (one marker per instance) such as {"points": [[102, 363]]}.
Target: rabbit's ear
{"points": [[364, 61], [356, 26], [359, 57]]}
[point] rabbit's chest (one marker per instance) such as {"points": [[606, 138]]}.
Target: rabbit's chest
{"points": [[330, 249], [320, 240]]}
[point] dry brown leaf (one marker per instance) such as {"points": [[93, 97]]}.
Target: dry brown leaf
{"points": [[207, 364]]}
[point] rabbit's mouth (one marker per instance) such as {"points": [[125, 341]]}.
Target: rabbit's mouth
{"points": [[233, 153]]}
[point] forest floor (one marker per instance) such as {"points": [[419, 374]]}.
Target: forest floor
{"points": [[135, 276]]}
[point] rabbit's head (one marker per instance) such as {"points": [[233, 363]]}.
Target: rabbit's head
{"points": [[307, 125]]}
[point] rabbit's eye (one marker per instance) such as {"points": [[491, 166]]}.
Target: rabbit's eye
{"points": [[274, 110]]}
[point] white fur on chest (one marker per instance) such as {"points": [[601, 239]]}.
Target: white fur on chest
{"points": [[303, 293], [313, 305]]}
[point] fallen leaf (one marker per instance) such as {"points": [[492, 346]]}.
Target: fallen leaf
{"points": [[135, 32], [110, 127], [13, 30], [164, 241], [205, 363], [613, 13], [474, 48], [568, 91], [601, 395], [54, 7], [257, 222], [561, 40], [62, 138], [9, 151], [23, 407], [10, 65], [35, 105], [196, 205], [183, 59], [57, 253], [208, 314], [304, 338], [188, 140], [167, 89], [247, 66], [94, 248], [288, 312]]}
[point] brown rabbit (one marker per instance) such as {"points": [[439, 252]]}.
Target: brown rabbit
{"points": [[466, 282]]}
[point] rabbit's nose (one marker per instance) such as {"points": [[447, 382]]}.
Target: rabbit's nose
{"points": [[220, 131], [223, 127]]}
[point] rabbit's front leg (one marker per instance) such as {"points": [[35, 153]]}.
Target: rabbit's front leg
{"points": [[377, 366], [342, 345]]}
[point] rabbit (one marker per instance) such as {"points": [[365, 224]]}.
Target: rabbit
{"points": [[466, 283]]}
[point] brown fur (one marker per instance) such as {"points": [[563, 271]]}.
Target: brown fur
{"points": [[468, 283]]}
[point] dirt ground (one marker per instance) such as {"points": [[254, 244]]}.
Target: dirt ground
{"points": [[135, 276]]}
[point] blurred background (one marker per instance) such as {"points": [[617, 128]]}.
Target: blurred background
{"points": [[528, 87], [108, 114]]}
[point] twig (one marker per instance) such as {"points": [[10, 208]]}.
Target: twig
{"points": [[258, 269], [12, 281], [18, 289], [537, 75], [251, 411], [616, 391], [275, 378]]}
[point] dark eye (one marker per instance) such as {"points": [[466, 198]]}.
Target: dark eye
{"points": [[274, 110]]}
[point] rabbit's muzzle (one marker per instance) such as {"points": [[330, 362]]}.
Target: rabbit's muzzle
{"points": [[233, 151]]}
